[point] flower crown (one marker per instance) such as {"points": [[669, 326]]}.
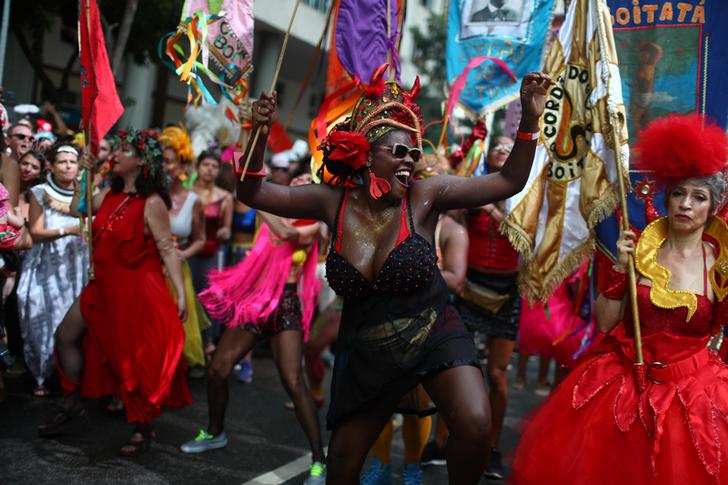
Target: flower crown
{"points": [[146, 143], [383, 107]]}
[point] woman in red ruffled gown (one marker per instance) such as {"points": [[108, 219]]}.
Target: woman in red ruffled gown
{"points": [[130, 326], [607, 423]]}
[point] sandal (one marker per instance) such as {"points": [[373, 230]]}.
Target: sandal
{"points": [[58, 423], [140, 442]]}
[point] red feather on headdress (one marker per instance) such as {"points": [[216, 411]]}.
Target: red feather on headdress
{"points": [[678, 147]]}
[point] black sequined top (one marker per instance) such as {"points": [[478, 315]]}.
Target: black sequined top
{"points": [[394, 329], [410, 266]]}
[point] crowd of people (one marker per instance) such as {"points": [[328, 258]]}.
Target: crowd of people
{"points": [[392, 265]]}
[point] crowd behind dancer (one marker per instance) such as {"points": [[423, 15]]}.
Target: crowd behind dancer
{"points": [[397, 328], [396, 313]]}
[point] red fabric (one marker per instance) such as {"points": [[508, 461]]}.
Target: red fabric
{"points": [[278, 139], [598, 428], [100, 104], [133, 345], [488, 248], [212, 225]]}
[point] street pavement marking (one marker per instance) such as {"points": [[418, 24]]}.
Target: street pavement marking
{"points": [[283, 473]]}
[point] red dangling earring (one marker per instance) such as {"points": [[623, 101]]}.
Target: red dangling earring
{"points": [[378, 186]]}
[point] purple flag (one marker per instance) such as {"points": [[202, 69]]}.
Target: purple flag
{"points": [[361, 36]]}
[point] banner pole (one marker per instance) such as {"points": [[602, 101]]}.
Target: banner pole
{"points": [[616, 123], [273, 83]]}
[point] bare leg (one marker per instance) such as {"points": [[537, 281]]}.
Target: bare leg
{"points": [[500, 351], [68, 342], [234, 343], [459, 394], [352, 439], [544, 363], [287, 349], [521, 371]]}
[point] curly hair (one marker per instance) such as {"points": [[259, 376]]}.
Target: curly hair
{"points": [[151, 178], [177, 139]]}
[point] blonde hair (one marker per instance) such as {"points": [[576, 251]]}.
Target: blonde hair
{"points": [[176, 138]]}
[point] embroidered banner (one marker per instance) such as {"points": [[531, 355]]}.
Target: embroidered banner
{"points": [[571, 186]]}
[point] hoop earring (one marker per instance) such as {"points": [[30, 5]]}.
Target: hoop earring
{"points": [[378, 187]]}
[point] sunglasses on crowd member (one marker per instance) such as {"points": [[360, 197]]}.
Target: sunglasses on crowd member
{"points": [[23, 137], [400, 151], [503, 147]]}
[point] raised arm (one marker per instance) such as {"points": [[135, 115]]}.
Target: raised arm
{"points": [[86, 162], [449, 192], [313, 201]]}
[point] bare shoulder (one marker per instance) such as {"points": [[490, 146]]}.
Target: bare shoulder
{"points": [[154, 205]]}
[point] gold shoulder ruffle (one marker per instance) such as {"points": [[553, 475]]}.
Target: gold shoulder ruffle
{"points": [[652, 239]]}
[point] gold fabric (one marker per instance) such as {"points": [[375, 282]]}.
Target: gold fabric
{"points": [[661, 295], [483, 297], [571, 189]]}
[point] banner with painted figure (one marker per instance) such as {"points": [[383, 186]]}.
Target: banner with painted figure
{"points": [[572, 184], [513, 31], [672, 57]]}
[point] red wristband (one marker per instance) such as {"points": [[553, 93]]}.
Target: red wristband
{"points": [[259, 174], [527, 135]]}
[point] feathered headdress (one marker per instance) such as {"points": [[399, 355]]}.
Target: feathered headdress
{"points": [[383, 107], [177, 139], [679, 147]]}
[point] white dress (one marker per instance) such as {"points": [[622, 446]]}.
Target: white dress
{"points": [[53, 273]]}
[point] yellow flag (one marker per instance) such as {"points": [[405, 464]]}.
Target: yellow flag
{"points": [[572, 184]]}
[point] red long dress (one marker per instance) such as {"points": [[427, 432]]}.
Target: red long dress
{"points": [[597, 428], [134, 341]]}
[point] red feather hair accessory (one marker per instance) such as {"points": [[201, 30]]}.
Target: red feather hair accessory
{"points": [[679, 147]]}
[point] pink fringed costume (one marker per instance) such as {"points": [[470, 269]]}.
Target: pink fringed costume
{"points": [[254, 294]]}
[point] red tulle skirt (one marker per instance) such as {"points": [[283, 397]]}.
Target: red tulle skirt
{"points": [[598, 428]]}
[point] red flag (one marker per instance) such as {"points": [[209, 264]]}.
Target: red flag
{"points": [[100, 104]]}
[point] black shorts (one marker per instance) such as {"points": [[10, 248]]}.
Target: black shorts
{"points": [[286, 317], [504, 323]]}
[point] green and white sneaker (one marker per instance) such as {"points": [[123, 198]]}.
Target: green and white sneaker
{"points": [[204, 441], [316, 474]]}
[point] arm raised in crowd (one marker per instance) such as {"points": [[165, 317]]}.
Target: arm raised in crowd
{"points": [[313, 201], [450, 192]]}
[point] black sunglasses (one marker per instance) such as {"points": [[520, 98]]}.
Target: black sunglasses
{"points": [[22, 137], [400, 150]]}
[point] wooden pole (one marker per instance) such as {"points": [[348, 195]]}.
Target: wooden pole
{"points": [[616, 122], [89, 180], [273, 83]]}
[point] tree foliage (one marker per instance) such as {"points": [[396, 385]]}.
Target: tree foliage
{"points": [[429, 53], [32, 20]]}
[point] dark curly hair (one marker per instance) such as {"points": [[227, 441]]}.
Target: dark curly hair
{"points": [[151, 178]]}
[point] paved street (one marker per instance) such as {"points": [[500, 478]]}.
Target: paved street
{"points": [[266, 444]]}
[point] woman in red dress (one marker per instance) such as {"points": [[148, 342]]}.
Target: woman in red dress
{"points": [[608, 422], [130, 326]]}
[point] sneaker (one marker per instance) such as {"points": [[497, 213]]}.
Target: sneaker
{"points": [[316, 474], [432, 455], [495, 467], [243, 371], [377, 474], [412, 474], [204, 441]]}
